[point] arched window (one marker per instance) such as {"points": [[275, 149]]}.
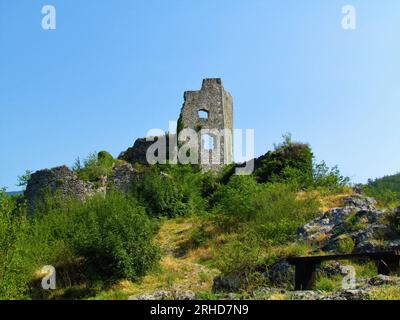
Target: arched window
{"points": [[203, 114], [208, 142]]}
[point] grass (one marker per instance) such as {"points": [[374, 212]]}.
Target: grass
{"points": [[179, 270], [327, 199], [191, 246], [328, 284], [385, 293]]}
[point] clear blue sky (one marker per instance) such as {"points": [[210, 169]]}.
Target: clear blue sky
{"points": [[115, 69]]}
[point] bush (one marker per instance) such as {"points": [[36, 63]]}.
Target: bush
{"points": [[273, 210], [293, 163], [328, 284], [112, 236], [329, 178], [161, 195], [171, 191], [94, 167], [386, 190], [13, 275], [289, 161], [346, 245], [259, 216], [238, 257]]}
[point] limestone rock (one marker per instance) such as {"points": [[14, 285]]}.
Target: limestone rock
{"points": [[168, 295], [280, 274], [123, 177], [358, 219], [61, 181], [381, 280]]}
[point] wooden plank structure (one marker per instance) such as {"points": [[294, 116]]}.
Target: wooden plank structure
{"points": [[305, 267]]}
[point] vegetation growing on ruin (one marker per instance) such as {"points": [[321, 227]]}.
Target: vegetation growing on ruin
{"points": [[178, 227]]}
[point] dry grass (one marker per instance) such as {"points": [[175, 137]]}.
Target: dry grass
{"points": [[179, 269], [328, 201], [385, 293]]}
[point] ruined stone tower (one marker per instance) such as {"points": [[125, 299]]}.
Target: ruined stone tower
{"points": [[210, 113]]}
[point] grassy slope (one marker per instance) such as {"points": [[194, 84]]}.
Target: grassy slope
{"points": [[386, 190], [181, 268], [184, 266]]}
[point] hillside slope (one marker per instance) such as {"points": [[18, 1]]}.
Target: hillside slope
{"points": [[386, 190]]}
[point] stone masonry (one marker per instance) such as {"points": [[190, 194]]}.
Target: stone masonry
{"points": [[60, 180], [207, 111], [216, 107]]}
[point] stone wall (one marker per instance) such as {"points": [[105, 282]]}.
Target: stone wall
{"points": [[60, 180], [124, 176], [63, 182], [137, 153], [218, 106]]}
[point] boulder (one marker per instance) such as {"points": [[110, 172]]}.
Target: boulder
{"points": [[381, 280]]}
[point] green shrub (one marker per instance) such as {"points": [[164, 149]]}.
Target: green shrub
{"points": [[234, 201], [94, 167], [171, 190], [161, 195], [13, 275], [386, 190], [293, 163], [238, 257], [273, 210], [198, 236], [346, 245], [328, 284], [289, 161], [329, 178], [261, 215], [112, 236]]}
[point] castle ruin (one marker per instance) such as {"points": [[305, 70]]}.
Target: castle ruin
{"points": [[209, 112]]}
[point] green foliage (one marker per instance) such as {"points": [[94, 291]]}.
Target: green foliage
{"points": [[179, 126], [171, 191], [346, 245], [386, 190], [328, 284], [289, 161], [262, 215], [234, 200], [94, 167], [329, 178], [161, 195], [273, 210], [199, 236], [112, 235], [23, 179], [292, 162], [239, 257]]}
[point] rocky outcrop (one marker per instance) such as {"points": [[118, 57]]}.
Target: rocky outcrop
{"points": [[167, 295], [137, 153], [61, 181], [360, 220], [280, 274]]}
